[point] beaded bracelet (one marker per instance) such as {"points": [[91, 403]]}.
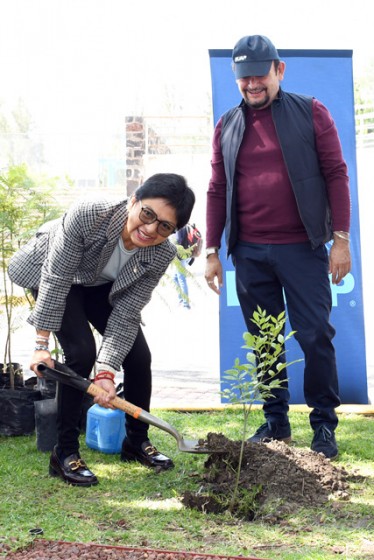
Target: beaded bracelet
{"points": [[104, 375], [105, 367], [41, 347]]}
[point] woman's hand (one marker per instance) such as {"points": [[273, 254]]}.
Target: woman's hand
{"points": [[41, 356], [108, 386]]}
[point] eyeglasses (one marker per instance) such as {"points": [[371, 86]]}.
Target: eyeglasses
{"points": [[148, 216]]}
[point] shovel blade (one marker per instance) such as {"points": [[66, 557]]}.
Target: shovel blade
{"points": [[193, 446]]}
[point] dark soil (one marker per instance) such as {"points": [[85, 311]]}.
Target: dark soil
{"points": [[275, 478]]}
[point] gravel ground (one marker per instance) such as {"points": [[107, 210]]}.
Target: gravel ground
{"points": [[41, 549]]}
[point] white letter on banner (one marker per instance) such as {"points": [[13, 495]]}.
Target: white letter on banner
{"points": [[344, 287]]}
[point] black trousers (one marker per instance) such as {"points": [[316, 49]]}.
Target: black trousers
{"points": [[86, 307], [296, 276]]}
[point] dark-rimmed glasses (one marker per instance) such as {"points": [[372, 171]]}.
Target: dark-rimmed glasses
{"points": [[148, 216]]}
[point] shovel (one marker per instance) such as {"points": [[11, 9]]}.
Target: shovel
{"points": [[45, 419], [65, 375]]}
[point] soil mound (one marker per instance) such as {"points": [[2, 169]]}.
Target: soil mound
{"points": [[271, 473]]}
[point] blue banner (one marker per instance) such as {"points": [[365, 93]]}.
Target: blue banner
{"points": [[328, 76]]}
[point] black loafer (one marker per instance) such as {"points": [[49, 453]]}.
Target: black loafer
{"points": [[72, 470], [146, 454]]}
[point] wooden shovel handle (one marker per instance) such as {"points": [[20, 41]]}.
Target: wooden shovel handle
{"points": [[134, 411]]}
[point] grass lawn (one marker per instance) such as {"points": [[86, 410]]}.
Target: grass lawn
{"points": [[133, 506]]}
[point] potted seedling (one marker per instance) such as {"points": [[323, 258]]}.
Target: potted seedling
{"points": [[25, 204]]}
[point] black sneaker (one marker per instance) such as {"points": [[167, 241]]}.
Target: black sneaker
{"points": [[271, 430], [324, 442]]}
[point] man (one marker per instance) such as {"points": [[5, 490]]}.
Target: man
{"points": [[280, 190]]}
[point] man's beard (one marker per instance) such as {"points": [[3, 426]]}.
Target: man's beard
{"points": [[257, 104]]}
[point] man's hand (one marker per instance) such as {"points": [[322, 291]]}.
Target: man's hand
{"points": [[340, 260], [213, 273]]}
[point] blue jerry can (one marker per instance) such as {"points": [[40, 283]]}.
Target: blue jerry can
{"points": [[105, 429]]}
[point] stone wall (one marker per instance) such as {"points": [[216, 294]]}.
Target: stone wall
{"points": [[135, 150], [145, 138]]}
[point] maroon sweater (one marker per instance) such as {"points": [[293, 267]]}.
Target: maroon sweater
{"points": [[266, 205]]}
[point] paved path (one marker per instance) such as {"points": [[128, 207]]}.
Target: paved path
{"points": [[186, 354]]}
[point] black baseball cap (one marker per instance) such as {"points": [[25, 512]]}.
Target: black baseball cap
{"points": [[253, 55]]}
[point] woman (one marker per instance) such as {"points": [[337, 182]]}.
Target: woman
{"points": [[97, 267]]}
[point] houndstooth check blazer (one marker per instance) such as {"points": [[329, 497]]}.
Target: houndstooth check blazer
{"points": [[74, 250]]}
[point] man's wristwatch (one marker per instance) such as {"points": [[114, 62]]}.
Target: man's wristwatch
{"points": [[211, 251]]}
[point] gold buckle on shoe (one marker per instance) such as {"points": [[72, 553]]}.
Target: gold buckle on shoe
{"points": [[150, 450], [75, 465]]}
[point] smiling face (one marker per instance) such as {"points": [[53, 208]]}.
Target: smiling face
{"points": [[136, 233], [260, 91]]}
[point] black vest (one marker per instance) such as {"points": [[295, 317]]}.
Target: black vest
{"points": [[293, 120]]}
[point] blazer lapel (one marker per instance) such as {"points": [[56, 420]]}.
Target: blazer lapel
{"points": [[113, 233], [136, 267]]}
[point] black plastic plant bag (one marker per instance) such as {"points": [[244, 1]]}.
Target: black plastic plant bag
{"points": [[17, 411]]}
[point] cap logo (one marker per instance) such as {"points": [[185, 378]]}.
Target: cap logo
{"points": [[240, 58]]}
